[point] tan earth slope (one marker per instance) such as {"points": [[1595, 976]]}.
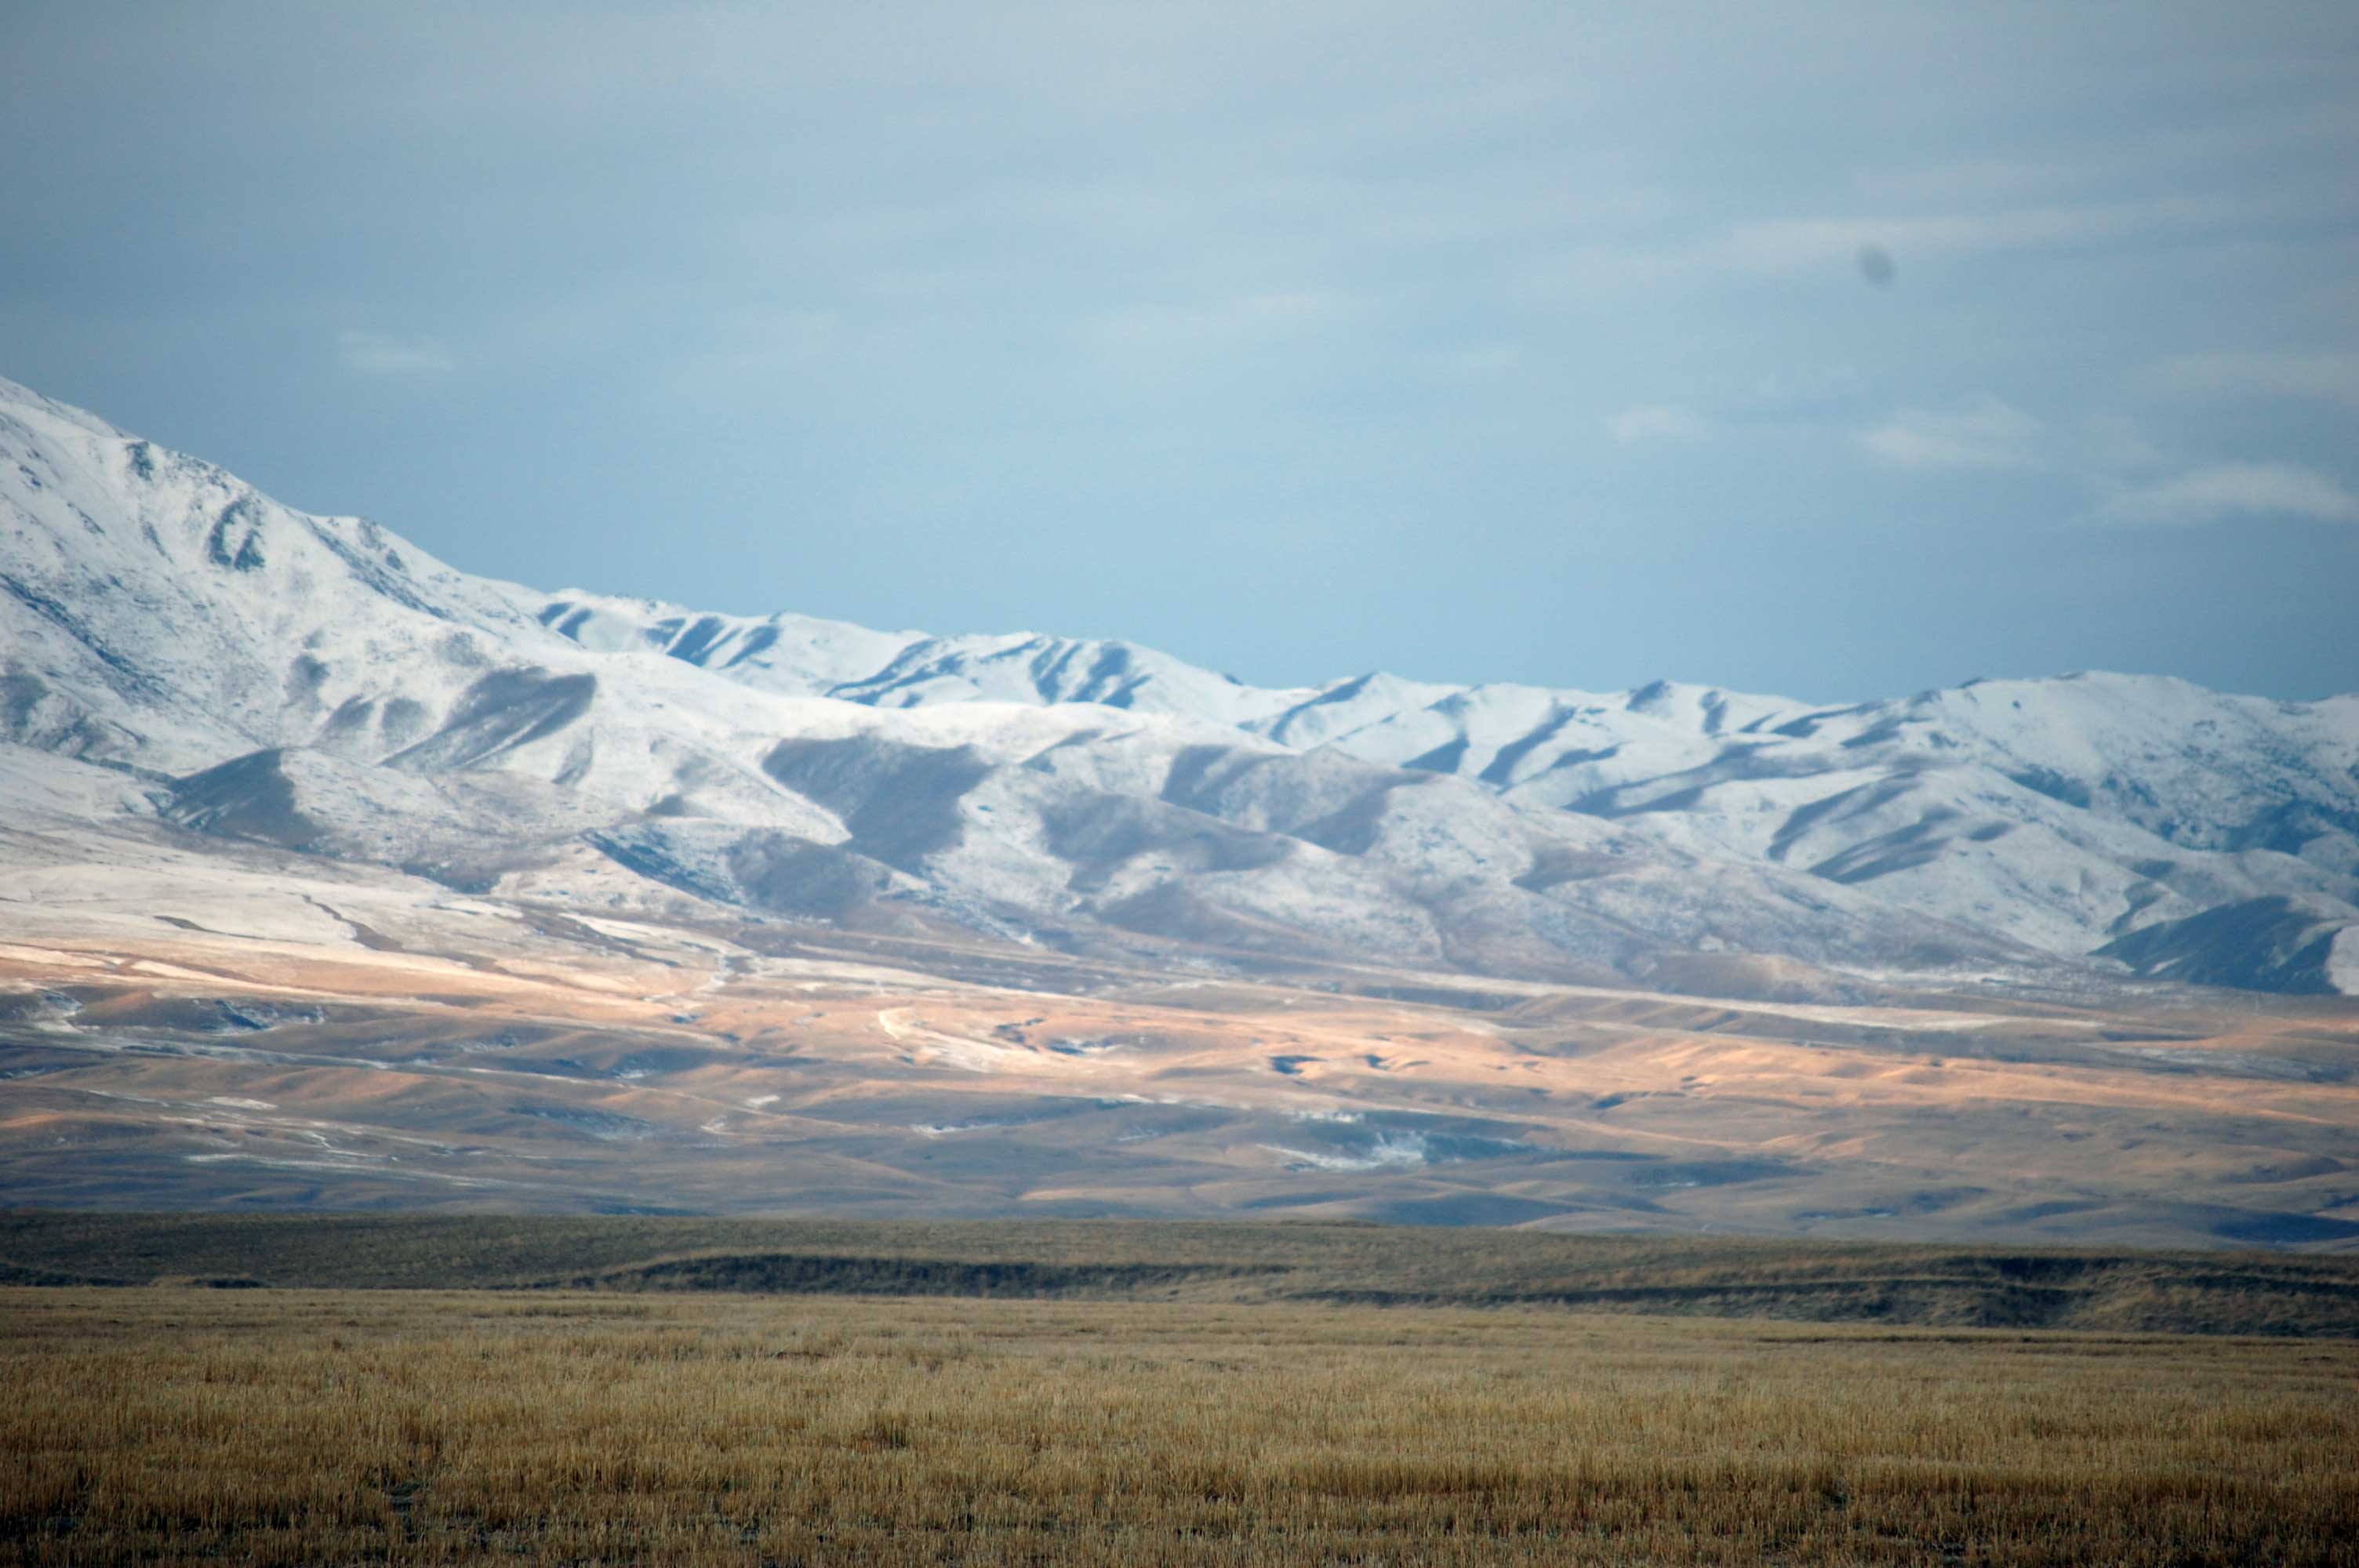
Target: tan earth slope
{"points": [[326, 1046]]}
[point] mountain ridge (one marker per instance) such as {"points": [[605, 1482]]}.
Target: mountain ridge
{"points": [[163, 616], [333, 877]]}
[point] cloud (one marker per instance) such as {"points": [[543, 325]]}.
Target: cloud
{"points": [[367, 353], [2323, 377], [2110, 445], [1482, 360], [1806, 391], [1211, 327], [1656, 422], [1982, 434], [2226, 490]]}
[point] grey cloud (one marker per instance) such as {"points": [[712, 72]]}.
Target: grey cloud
{"points": [[2237, 490], [1656, 422], [1984, 433], [383, 353]]}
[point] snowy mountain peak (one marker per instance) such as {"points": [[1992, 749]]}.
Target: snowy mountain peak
{"points": [[22, 404], [321, 684]]}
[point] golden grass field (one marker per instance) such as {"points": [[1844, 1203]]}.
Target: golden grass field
{"points": [[277, 1426]]}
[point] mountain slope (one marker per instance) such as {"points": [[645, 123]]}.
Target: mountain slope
{"points": [[333, 877], [2070, 815], [321, 685]]}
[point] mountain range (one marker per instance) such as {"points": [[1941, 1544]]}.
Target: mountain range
{"points": [[322, 685], [224, 721]]}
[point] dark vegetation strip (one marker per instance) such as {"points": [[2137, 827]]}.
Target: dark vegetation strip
{"points": [[2314, 1295], [806, 1274]]}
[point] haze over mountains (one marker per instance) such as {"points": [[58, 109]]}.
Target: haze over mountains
{"points": [[228, 723]]}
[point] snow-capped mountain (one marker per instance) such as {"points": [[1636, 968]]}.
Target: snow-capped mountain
{"points": [[260, 675]]}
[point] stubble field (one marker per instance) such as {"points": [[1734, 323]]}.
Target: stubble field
{"points": [[170, 1424]]}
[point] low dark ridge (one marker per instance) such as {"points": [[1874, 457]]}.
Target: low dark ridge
{"points": [[1304, 1262], [792, 1273]]}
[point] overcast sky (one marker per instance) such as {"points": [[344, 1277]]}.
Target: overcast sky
{"points": [[1835, 351]]}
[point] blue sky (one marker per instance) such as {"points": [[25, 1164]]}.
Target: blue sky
{"points": [[1835, 350]]}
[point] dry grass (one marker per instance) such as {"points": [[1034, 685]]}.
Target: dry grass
{"points": [[277, 1426]]}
